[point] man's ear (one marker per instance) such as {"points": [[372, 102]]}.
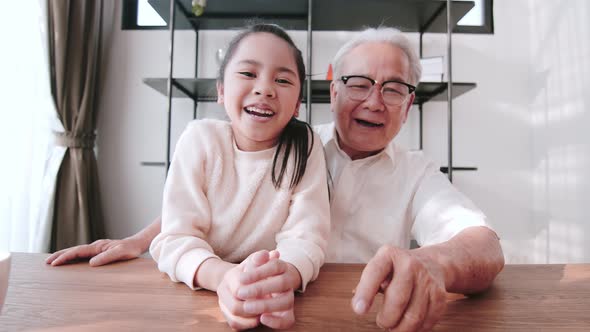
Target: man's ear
{"points": [[409, 106], [333, 94], [219, 92]]}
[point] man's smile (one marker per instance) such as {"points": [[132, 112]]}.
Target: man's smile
{"points": [[370, 124]]}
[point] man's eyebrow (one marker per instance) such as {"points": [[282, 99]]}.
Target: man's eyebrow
{"points": [[258, 64], [388, 79], [395, 78]]}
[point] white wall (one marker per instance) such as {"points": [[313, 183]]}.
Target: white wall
{"points": [[523, 126], [560, 119]]}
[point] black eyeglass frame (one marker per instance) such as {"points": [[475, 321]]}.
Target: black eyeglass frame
{"points": [[411, 88]]}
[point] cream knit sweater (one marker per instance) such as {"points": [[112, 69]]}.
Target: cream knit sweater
{"points": [[220, 202]]}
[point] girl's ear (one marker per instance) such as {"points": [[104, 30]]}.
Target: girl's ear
{"points": [[296, 114], [219, 92]]}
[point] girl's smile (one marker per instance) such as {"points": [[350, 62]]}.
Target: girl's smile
{"points": [[260, 112]]}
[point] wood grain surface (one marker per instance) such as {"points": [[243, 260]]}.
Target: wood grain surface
{"points": [[134, 295]]}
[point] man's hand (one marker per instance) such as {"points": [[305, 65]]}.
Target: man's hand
{"points": [[101, 252], [413, 287], [107, 251]]}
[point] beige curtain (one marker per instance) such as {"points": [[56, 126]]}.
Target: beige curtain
{"points": [[74, 30]]}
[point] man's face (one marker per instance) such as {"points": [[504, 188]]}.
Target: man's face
{"points": [[366, 127]]}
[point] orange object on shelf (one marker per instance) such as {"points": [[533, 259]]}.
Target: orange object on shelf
{"points": [[329, 74]]}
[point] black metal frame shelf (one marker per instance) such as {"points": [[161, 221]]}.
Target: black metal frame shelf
{"points": [[344, 15], [421, 16], [203, 89], [443, 169]]}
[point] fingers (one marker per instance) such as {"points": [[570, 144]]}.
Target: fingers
{"points": [[256, 259], [238, 322], [53, 256], [279, 302], [437, 305], [274, 254], [398, 295], [275, 284], [401, 296], [232, 305], [415, 299], [271, 268], [116, 253], [376, 271], [70, 254], [278, 320], [413, 318]]}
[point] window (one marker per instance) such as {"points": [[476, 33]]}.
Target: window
{"points": [[139, 14], [479, 19]]}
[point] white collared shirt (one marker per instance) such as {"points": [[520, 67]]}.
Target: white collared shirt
{"points": [[389, 198]]}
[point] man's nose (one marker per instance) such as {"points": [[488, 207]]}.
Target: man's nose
{"points": [[265, 88], [374, 101]]}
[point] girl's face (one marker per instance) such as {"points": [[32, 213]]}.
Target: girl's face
{"points": [[260, 90]]}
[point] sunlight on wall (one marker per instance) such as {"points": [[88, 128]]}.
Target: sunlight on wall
{"points": [[560, 114], [565, 241]]}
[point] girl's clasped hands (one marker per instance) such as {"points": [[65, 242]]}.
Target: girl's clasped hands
{"points": [[259, 291]]}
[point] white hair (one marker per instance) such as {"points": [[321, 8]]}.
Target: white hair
{"points": [[387, 35]]}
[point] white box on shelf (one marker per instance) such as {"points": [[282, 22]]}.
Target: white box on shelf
{"points": [[431, 78], [433, 69]]}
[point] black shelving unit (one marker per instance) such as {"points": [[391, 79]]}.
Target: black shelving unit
{"points": [[422, 16], [331, 15], [203, 90]]}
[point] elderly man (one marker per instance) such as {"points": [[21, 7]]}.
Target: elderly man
{"points": [[382, 196]]}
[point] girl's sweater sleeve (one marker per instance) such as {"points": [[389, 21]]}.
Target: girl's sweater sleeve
{"points": [[181, 248], [303, 238]]}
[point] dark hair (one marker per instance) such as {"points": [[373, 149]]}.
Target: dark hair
{"points": [[295, 136]]}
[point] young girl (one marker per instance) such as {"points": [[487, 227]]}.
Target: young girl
{"points": [[249, 186]]}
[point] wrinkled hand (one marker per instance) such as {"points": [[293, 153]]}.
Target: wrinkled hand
{"points": [[101, 252], [414, 290]]}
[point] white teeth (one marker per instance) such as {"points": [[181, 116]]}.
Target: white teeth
{"points": [[259, 111]]}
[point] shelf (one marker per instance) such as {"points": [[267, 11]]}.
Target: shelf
{"points": [[199, 89], [203, 89], [422, 16], [445, 169], [153, 163], [233, 14], [442, 169], [328, 15], [406, 15]]}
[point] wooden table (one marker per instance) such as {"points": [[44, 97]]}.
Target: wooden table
{"points": [[134, 295]]}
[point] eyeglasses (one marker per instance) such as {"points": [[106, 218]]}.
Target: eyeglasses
{"points": [[394, 92]]}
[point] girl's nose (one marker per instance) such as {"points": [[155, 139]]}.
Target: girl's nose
{"points": [[264, 88]]}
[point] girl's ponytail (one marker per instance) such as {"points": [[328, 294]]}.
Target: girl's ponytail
{"points": [[295, 137]]}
